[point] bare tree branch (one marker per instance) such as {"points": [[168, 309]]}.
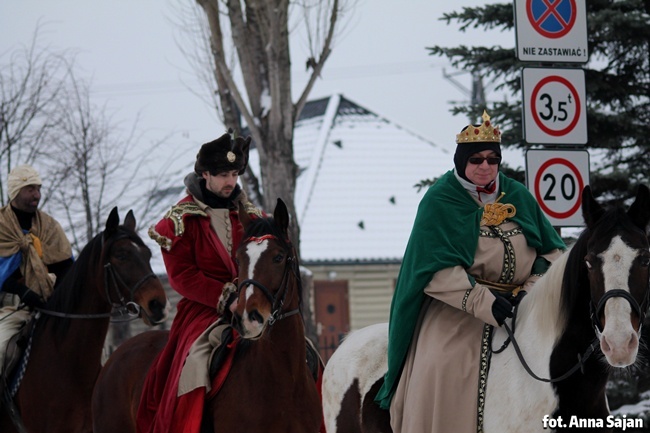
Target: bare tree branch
{"points": [[317, 65], [31, 79], [259, 31]]}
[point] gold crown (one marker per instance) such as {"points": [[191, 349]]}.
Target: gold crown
{"points": [[485, 132]]}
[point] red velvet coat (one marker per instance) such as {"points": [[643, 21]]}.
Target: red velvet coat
{"points": [[198, 265]]}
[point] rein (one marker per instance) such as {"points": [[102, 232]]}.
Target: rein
{"points": [[276, 302], [640, 310], [579, 365]]}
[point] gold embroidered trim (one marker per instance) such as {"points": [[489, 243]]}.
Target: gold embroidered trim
{"points": [[483, 374], [495, 213], [509, 257], [251, 209], [161, 240], [464, 304], [177, 212], [508, 234]]}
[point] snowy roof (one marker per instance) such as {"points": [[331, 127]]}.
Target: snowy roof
{"points": [[355, 194]]}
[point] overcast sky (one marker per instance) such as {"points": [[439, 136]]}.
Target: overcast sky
{"points": [[129, 49]]}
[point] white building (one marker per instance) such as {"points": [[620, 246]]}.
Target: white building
{"points": [[356, 201]]}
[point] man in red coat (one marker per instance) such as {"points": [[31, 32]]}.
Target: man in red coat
{"points": [[198, 237]]}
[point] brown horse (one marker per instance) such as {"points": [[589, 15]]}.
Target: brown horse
{"points": [[270, 387], [64, 353]]}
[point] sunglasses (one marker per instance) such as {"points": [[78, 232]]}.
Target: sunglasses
{"points": [[478, 160]]}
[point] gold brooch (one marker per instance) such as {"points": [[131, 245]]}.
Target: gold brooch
{"points": [[231, 156], [495, 213]]}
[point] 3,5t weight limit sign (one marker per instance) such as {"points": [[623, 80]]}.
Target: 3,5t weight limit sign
{"points": [[556, 179], [552, 100], [554, 106]]}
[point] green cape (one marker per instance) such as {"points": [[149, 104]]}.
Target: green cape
{"points": [[445, 234]]}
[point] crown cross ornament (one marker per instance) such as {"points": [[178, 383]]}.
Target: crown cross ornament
{"points": [[485, 132]]}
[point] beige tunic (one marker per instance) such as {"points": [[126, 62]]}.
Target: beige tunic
{"points": [[438, 391]]}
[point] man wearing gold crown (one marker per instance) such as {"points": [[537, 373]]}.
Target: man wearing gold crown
{"points": [[199, 237], [478, 236]]}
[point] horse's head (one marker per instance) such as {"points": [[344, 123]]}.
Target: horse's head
{"points": [[617, 261], [128, 279], [269, 283]]}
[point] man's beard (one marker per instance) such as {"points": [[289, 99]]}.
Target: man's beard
{"points": [[225, 192]]}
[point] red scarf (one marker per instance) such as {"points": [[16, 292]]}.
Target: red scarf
{"points": [[489, 189]]}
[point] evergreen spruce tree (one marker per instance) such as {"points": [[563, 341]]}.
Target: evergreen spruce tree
{"points": [[617, 80], [617, 85]]}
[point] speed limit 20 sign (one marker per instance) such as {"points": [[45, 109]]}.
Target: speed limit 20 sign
{"points": [[554, 106], [556, 179]]}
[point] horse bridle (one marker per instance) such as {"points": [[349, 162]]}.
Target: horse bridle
{"points": [[276, 302], [640, 310], [131, 307]]}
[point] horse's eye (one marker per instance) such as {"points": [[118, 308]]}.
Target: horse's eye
{"points": [[591, 259], [278, 258]]}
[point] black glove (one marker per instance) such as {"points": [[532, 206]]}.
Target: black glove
{"points": [[501, 309], [26, 295]]}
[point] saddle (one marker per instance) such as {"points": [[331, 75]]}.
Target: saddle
{"points": [[222, 338]]}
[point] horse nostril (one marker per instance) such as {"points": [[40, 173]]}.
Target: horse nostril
{"points": [[255, 316], [157, 310], [633, 342], [604, 345]]}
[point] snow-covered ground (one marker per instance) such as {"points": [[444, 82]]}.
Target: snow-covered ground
{"points": [[640, 410]]}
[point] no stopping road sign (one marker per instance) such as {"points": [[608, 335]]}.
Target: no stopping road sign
{"points": [[551, 30], [556, 179]]}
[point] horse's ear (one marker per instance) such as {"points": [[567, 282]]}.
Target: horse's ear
{"points": [[281, 216], [592, 211], [111, 223], [244, 217], [129, 221], [639, 212]]}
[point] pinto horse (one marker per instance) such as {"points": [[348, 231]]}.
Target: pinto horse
{"points": [[269, 386], [592, 299], [58, 373]]}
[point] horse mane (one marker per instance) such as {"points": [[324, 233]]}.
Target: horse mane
{"points": [[69, 291], [544, 299], [267, 226]]}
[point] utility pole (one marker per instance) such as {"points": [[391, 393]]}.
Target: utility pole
{"points": [[476, 94]]}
